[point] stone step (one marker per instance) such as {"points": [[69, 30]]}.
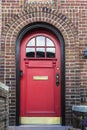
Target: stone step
{"points": [[39, 127]]}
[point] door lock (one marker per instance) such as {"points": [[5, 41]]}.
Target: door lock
{"points": [[57, 79], [21, 73]]}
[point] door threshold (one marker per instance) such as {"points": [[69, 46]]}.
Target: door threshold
{"points": [[40, 120]]}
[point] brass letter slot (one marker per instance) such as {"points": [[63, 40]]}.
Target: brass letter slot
{"points": [[40, 77]]}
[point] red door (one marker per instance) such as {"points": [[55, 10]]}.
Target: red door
{"points": [[40, 81]]}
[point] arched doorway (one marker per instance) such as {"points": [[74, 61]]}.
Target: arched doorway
{"points": [[40, 77], [40, 86]]}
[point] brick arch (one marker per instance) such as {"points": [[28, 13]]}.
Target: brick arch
{"points": [[56, 19]]}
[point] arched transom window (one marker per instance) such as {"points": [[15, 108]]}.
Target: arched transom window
{"points": [[40, 47]]}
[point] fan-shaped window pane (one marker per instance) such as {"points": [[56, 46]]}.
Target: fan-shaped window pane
{"points": [[49, 42], [31, 42], [50, 52], [30, 52], [40, 47], [40, 41]]}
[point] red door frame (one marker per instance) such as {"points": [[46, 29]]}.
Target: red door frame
{"points": [[58, 34]]}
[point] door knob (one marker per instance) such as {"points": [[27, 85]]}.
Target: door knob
{"points": [[57, 79]]}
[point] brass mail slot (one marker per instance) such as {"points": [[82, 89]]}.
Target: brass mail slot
{"points": [[40, 77]]}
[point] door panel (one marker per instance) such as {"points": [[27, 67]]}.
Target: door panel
{"points": [[40, 83], [42, 100]]}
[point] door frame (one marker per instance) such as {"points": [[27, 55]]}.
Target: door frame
{"points": [[55, 31]]}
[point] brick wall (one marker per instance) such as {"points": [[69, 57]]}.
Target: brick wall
{"points": [[0, 36], [3, 107], [70, 17], [0, 20]]}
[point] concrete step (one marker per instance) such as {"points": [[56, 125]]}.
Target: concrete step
{"points": [[39, 127]]}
